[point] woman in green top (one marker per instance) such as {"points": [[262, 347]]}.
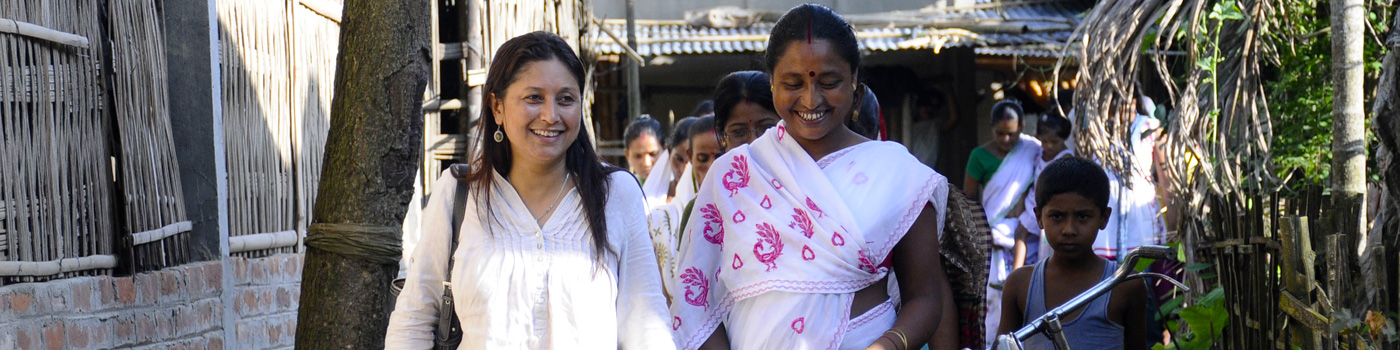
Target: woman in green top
{"points": [[985, 159], [999, 173]]}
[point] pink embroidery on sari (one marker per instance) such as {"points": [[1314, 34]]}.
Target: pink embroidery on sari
{"points": [[738, 176], [766, 204], [776, 185], [694, 278], [676, 323], [736, 264], [781, 132], [807, 253], [769, 246], [739, 216], [714, 224], [837, 240], [799, 324], [802, 221], [865, 262], [860, 179], [813, 206]]}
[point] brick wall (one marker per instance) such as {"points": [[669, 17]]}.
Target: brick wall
{"points": [[175, 308], [267, 292]]}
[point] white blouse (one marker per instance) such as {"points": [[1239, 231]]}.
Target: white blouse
{"points": [[521, 286]]}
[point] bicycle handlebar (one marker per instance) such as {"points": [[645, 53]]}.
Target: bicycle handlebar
{"points": [[1012, 341]]}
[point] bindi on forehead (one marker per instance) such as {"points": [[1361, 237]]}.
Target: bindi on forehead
{"points": [[812, 73]]}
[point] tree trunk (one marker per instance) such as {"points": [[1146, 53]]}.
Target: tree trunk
{"points": [[1348, 131], [372, 151]]}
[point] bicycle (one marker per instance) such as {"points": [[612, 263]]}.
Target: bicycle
{"points": [[1049, 324]]}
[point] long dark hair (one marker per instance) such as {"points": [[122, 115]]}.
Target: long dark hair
{"points": [[588, 171]]}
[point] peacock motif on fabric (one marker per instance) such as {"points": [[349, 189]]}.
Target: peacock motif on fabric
{"points": [[699, 295], [714, 224], [802, 222], [769, 246], [738, 175]]}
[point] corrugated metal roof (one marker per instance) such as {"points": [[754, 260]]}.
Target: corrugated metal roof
{"points": [[1032, 30]]}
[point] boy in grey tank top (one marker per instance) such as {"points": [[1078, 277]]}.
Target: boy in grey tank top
{"points": [[1072, 210]]}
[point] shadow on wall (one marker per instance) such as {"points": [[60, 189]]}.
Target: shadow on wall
{"points": [[276, 117]]}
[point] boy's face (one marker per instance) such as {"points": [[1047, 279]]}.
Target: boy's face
{"points": [[1071, 223]]}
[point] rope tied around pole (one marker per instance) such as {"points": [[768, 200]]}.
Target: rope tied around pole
{"points": [[380, 244]]}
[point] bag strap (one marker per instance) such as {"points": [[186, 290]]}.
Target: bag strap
{"points": [[459, 208]]}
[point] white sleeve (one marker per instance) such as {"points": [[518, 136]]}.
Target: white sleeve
{"points": [[416, 310], [642, 315]]}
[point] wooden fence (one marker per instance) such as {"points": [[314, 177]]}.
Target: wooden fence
{"points": [[82, 191], [278, 73]]}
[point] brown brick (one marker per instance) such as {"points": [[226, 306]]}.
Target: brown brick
{"points": [[126, 290], [107, 293], [145, 328], [147, 288], [123, 331], [216, 342], [213, 276], [284, 298], [165, 325], [78, 336], [293, 268], [25, 337], [257, 272], [53, 335], [82, 295], [21, 301], [170, 284]]}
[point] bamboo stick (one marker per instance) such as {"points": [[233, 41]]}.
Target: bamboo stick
{"points": [[263, 241], [155, 235], [38, 32], [324, 8], [56, 266]]}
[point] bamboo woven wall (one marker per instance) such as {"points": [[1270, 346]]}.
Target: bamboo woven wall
{"points": [[278, 73], [316, 41], [155, 207], [64, 130], [54, 185]]}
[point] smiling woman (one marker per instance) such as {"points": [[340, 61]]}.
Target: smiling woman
{"points": [[796, 235], [541, 214]]}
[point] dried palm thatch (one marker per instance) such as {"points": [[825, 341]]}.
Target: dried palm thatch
{"points": [[1217, 139]]}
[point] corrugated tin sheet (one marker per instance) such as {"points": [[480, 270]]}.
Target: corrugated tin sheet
{"points": [[1046, 24]]}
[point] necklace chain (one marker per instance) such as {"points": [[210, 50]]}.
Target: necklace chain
{"points": [[556, 197]]}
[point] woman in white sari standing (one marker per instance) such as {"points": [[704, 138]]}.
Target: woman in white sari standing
{"points": [[553, 251], [1000, 172], [796, 235]]}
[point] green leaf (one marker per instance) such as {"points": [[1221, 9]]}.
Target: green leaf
{"points": [[1198, 267], [1142, 264], [1173, 306]]}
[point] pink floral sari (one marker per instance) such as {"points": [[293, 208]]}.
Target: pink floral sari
{"points": [[779, 243]]}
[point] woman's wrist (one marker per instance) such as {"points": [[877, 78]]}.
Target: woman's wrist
{"points": [[884, 343]]}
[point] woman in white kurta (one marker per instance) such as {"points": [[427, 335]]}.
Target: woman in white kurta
{"points": [[553, 251]]}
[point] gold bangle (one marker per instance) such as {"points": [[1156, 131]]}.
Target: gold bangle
{"points": [[902, 338]]}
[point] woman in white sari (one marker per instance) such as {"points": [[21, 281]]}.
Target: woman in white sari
{"points": [[795, 235], [1000, 173]]}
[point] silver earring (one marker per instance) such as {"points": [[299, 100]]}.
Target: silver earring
{"points": [[498, 135]]}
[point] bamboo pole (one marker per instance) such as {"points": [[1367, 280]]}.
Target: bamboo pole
{"points": [[263, 241], [56, 266], [38, 32]]}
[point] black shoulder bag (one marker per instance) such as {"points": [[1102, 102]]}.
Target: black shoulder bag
{"points": [[449, 329]]}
